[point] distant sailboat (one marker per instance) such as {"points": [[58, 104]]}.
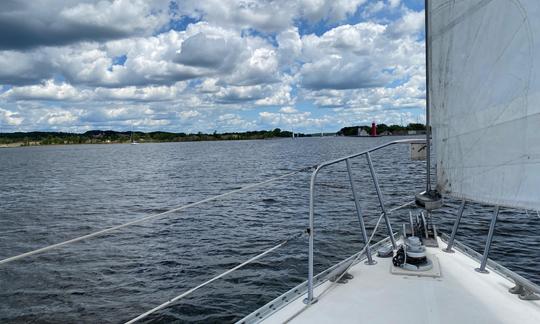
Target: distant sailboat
{"points": [[133, 142]]}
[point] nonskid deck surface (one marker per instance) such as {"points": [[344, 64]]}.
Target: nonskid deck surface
{"points": [[374, 295]]}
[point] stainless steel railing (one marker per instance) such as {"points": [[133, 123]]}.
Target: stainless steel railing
{"points": [[311, 230]]}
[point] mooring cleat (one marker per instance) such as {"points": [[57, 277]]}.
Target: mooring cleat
{"points": [[523, 293]]}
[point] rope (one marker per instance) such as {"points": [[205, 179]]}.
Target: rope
{"points": [[171, 301], [146, 218]]}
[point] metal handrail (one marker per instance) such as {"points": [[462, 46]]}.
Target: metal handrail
{"points": [[309, 299]]}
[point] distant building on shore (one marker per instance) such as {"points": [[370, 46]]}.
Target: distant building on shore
{"points": [[385, 133], [362, 132]]}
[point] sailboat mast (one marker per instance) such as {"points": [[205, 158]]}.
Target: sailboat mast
{"points": [[428, 124], [429, 199]]}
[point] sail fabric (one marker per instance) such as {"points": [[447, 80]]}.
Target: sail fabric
{"points": [[485, 99]]}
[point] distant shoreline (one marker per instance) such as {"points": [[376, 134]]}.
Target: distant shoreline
{"points": [[23, 139], [22, 144], [26, 139]]}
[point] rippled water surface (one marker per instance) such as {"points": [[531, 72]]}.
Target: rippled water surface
{"points": [[50, 194]]}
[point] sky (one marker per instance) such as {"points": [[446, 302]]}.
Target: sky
{"points": [[213, 65]]}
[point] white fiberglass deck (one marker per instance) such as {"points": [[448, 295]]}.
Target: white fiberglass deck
{"points": [[459, 295]]}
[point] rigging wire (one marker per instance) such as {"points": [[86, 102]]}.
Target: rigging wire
{"points": [[171, 301], [147, 218]]}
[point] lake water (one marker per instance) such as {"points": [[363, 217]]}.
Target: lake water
{"points": [[50, 194]]}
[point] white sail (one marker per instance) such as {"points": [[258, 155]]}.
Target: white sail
{"points": [[485, 99]]}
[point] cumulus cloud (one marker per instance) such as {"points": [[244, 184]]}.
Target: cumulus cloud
{"points": [[288, 110], [25, 24], [409, 25], [18, 68], [241, 14], [207, 51], [394, 3], [10, 118], [336, 72], [49, 90], [293, 120], [261, 15], [236, 94], [132, 93], [67, 64], [189, 114], [355, 56]]}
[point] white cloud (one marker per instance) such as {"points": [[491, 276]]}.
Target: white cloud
{"points": [[289, 46], [126, 67], [233, 122], [409, 25], [334, 11], [56, 118], [189, 114], [26, 24], [129, 16], [149, 93], [293, 120], [209, 51], [49, 90], [268, 16], [10, 118], [356, 56], [208, 86], [279, 94], [241, 14], [288, 110], [234, 94], [374, 8], [394, 3]]}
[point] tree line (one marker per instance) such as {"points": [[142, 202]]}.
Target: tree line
{"points": [[110, 136]]}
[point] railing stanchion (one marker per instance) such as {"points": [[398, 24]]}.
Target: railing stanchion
{"points": [[311, 232], [310, 299], [482, 268], [381, 201], [369, 261], [455, 228]]}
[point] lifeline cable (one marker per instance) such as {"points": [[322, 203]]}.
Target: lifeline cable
{"points": [[147, 218], [171, 301]]}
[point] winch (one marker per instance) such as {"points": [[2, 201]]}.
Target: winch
{"points": [[411, 255]]}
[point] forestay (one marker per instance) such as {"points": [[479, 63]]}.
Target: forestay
{"points": [[485, 99]]}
